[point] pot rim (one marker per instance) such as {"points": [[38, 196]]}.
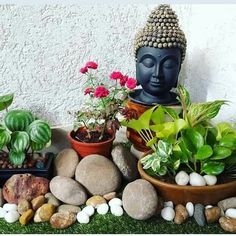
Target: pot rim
{"points": [[89, 144], [185, 187]]}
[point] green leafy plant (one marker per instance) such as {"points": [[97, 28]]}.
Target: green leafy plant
{"points": [[20, 132]]}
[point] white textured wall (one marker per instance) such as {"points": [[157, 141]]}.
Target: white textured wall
{"points": [[43, 47]]}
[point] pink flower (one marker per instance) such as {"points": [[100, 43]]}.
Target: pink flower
{"points": [[116, 75], [88, 91], [123, 80], [83, 70], [131, 83], [91, 65], [101, 92]]}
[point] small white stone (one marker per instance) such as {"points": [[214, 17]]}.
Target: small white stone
{"points": [[196, 180], [117, 210], [190, 208], [169, 204], [208, 206], [2, 212], [231, 212], [115, 201], [10, 207], [168, 213], [102, 209], [12, 216], [210, 179], [82, 217], [182, 178], [89, 210]]}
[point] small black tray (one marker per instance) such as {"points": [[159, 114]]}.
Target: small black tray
{"points": [[47, 172]]}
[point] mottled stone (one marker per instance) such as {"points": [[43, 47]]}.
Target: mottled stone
{"points": [[62, 220], [228, 224], [69, 208], [199, 214], [46, 211], [23, 206], [181, 214], [95, 200], [125, 161], [226, 204], [109, 196], [98, 175], [52, 199], [38, 202], [66, 162], [68, 190], [24, 186], [140, 199], [212, 214], [26, 217]]}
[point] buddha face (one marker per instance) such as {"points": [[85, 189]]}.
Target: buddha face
{"points": [[157, 69]]}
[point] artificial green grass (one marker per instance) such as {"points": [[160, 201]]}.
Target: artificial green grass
{"points": [[110, 224]]}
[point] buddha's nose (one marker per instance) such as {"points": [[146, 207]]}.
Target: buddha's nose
{"points": [[158, 72]]}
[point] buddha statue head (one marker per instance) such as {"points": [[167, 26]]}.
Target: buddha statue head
{"points": [[159, 52]]}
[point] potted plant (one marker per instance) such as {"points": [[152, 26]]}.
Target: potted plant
{"points": [[96, 122], [21, 135], [191, 144]]}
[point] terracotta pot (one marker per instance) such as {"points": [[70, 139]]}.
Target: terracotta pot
{"points": [[85, 149], [137, 110], [207, 195]]}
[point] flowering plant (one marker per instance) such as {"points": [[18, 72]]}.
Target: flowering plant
{"points": [[99, 114]]}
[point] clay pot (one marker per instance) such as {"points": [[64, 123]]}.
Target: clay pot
{"points": [[84, 149], [206, 195], [136, 110]]}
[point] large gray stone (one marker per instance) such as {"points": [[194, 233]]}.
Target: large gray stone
{"points": [[98, 174], [68, 190], [66, 162], [226, 204], [199, 214], [140, 200], [125, 161]]}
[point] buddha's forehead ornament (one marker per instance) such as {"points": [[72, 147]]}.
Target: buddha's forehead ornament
{"points": [[161, 31]]}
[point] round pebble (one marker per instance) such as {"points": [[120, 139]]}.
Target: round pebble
{"points": [[168, 204], [208, 206], [168, 213], [210, 179], [115, 201], [82, 218], [182, 178], [89, 210], [196, 180], [117, 210], [190, 208], [10, 207], [103, 209], [12, 216], [2, 212], [231, 212]]}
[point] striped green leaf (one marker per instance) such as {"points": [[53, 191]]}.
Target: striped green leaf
{"points": [[5, 138], [19, 141], [16, 158], [6, 101], [39, 132], [18, 120], [37, 146]]}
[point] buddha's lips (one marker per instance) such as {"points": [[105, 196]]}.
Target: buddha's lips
{"points": [[156, 83]]}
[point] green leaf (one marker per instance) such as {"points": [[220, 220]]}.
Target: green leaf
{"points": [[16, 158], [228, 141], [5, 138], [200, 129], [164, 149], [186, 153], [162, 171], [19, 141], [223, 129], [213, 168], [158, 115], [184, 95], [156, 165], [180, 124], [221, 153], [179, 155], [151, 142], [176, 164], [171, 112], [211, 136], [204, 152], [163, 131], [6, 101], [37, 146]]}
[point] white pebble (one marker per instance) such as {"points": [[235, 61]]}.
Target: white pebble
{"points": [[89, 210], [196, 180], [115, 201], [169, 204], [208, 206], [210, 179], [117, 210], [12, 216], [82, 217], [102, 209], [182, 178], [190, 208], [10, 207], [168, 213], [231, 212], [2, 212]]}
